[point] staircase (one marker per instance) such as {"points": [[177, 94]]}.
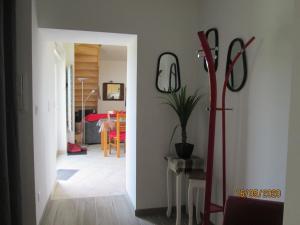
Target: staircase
{"points": [[87, 66]]}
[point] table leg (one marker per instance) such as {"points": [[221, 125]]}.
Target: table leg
{"points": [[105, 142], [178, 198], [190, 202], [102, 140], [187, 197], [169, 191], [198, 205]]}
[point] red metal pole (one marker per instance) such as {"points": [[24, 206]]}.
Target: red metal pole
{"points": [[227, 76], [212, 125]]}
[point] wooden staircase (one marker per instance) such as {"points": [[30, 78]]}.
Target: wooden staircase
{"points": [[87, 66]]}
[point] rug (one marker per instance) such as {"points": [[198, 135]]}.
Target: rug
{"points": [[65, 174]]}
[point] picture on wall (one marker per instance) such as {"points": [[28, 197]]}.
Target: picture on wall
{"points": [[113, 91]]}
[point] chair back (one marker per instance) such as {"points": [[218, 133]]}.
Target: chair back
{"points": [[247, 211], [120, 123], [111, 114]]}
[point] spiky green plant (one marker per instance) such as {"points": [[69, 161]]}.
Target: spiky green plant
{"points": [[183, 105]]}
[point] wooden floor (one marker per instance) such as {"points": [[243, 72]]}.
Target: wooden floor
{"points": [[110, 210]]}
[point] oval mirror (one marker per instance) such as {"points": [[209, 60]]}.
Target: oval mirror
{"points": [[238, 75], [167, 73], [213, 41]]}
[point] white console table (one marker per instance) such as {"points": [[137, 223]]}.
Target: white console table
{"points": [[179, 167]]}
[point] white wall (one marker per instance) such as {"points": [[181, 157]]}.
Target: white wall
{"points": [[49, 115], [59, 94], [258, 126], [69, 51], [292, 199], [131, 113], [45, 122], [112, 70], [25, 31], [49, 119]]}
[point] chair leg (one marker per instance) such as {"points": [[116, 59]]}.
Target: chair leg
{"points": [[101, 138], [190, 203], [109, 144], [118, 149], [105, 143]]}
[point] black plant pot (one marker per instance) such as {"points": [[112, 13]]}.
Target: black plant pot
{"points": [[184, 150]]}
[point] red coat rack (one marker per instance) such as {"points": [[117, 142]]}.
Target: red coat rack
{"points": [[210, 207]]}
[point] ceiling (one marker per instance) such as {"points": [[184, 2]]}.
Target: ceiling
{"points": [[112, 52]]}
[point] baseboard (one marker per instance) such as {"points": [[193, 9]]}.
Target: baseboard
{"points": [[155, 211], [47, 204], [163, 211], [53, 189], [60, 152]]}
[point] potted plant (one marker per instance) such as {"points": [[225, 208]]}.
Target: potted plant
{"points": [[183, 105]]}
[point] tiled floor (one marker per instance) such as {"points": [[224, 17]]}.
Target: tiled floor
{"points": [[97, 176]]}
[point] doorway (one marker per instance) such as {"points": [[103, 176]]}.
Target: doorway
{"points": [[96, 81], [53, 36]]}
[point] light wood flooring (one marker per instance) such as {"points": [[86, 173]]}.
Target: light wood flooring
{"points": [[108, 210]]}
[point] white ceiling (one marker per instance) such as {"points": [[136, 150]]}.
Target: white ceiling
{"points": [[112, 52], [113, 46], [88, 37]]}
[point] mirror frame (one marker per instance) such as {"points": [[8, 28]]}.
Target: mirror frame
{"points": [[178, 71], [104, 92], [216, 61], [244, 58]]}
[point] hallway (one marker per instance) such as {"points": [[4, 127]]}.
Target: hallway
{"points": [[111, 210], [95, 193]]}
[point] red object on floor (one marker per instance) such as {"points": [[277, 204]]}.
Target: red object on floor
{"points": [[74, 148], [83, 149], [210, 207]]}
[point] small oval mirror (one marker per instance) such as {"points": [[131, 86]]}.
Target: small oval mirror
{"points": [[168, 74], [238, 75], [213, 41]]}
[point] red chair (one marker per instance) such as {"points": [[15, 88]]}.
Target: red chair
{"points": [[118, 136], [247, 211]]}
